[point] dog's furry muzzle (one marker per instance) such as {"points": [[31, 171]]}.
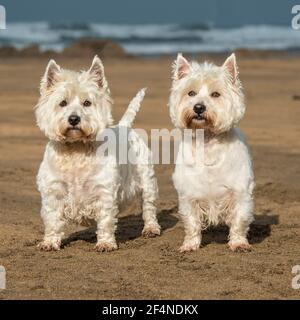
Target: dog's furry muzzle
{"points": [[191, 120], [77, 134]]}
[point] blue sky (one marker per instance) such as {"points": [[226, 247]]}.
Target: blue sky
{"points": [[221, 12]]}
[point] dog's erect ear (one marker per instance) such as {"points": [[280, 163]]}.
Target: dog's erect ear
{"points": [[181, 67], [50, 76], [97, 72], [231, 66]]}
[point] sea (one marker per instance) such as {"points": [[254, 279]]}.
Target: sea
{"points": [[153, 39]]}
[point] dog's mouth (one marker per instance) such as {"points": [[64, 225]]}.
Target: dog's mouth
{"points": [[193, 120], [73, 128], [198, 121], [74, 133], [199, 117]]}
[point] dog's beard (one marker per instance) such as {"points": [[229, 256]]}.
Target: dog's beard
{"points": [[81, 133], [191, 120], [74, 134]]}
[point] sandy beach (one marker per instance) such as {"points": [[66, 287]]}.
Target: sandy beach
{"points": [[153, 268]]}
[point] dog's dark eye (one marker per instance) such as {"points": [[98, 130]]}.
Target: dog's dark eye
{"points": [[63, 103], [215, 94], [87, 103], [192, 93]]}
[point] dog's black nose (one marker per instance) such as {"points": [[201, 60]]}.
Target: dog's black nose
{"points": [[199, 108], [74, 120]]}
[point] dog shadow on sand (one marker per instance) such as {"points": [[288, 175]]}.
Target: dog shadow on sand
{"points": [[260, 229], [128, 228]]}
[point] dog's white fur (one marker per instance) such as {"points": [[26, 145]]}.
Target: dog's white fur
{"points": [[76, 183], [219, 191]]}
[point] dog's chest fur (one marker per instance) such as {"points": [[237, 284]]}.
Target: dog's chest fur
{"points": [[212, 185], [207, 180], [76, 169]]}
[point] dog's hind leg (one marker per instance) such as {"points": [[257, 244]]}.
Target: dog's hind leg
{"points": [[150, 195]]}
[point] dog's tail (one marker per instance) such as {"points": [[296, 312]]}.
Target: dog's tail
{"points": [[132, 110]]}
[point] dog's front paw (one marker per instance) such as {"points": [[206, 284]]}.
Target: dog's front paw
{"points": [[189, 247], [240, 246], [47, 245], [151, 231], [105, 247]]}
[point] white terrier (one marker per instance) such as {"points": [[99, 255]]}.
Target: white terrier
{"points": [[209, 97], [76, 183]]}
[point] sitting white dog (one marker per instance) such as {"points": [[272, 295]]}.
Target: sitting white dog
{"points": [[209, 97], [77, 184]]}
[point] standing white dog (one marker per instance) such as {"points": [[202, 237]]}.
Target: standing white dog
{"points": [[76, 182], [209, 97]]}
